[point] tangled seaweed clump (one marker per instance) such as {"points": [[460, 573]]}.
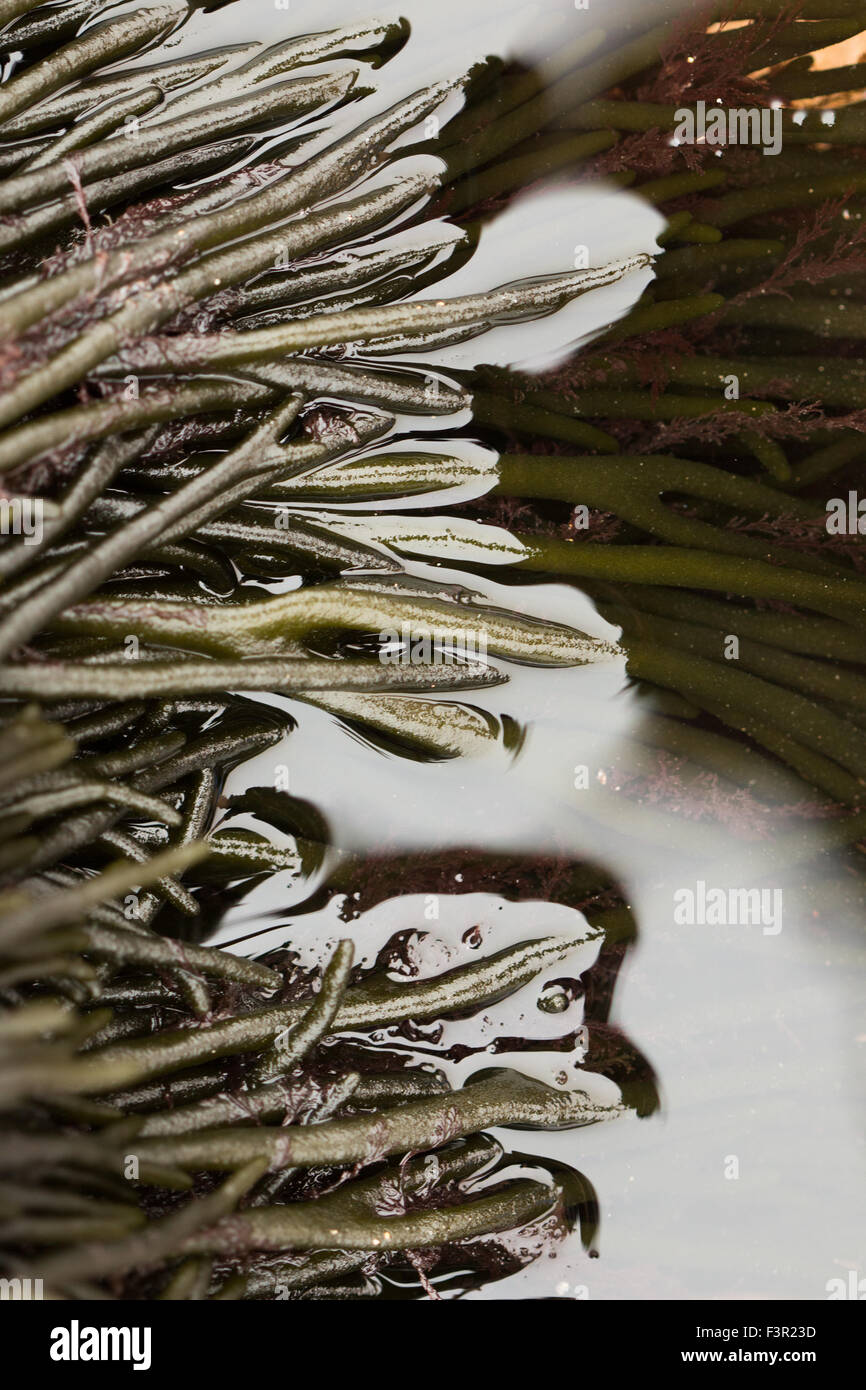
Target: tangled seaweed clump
{"points": [[207, 268]]}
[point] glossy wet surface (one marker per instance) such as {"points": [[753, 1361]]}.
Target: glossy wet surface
{"points": [[738, 1169], [743, 1181]]}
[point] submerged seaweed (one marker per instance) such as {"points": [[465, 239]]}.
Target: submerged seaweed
{"points": [[192, 387]]}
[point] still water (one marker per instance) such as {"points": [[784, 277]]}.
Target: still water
{"points": [[745, 1180]]}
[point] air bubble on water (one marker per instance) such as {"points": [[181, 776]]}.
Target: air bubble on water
{"points": [[553, 999]]}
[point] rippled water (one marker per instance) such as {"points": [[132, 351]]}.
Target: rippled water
{"points": [[749, 1034]]}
